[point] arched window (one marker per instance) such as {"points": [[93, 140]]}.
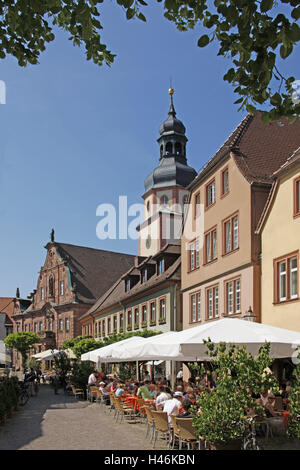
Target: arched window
{"points": [[161, 150], [169, 148], [164, 200], [51, 286], [178, 148]]}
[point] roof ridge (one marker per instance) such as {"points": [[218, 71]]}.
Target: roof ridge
{"points": [[95, 249]]}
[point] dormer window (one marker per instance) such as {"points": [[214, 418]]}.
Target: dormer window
{"points": [[161, 266], [127, 285], [144, 275]]}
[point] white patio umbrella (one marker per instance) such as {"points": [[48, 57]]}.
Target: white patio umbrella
{"points": [[42, 355], [104, 354], [160, 347], [187, 345], [283, 343]]}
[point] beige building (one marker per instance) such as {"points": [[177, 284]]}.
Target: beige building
{"points": [[221, 269], [280, 236]]}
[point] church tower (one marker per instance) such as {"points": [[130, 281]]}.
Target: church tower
{"points": [[165, 188]]}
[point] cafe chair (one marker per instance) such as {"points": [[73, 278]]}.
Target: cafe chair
{"points": [[77, 392], [187, 432], [161, 425]]}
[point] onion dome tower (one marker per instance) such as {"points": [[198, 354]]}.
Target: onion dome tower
{"points": [[173, 169], [166, 190]]}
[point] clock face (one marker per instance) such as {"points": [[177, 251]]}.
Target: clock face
{"points": [[148, 241]]}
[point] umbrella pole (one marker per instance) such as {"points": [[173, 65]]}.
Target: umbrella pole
{"points": [[137, 371], [172, 375]]}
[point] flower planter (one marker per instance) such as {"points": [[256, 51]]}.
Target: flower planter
{"points": [[234, 444]]}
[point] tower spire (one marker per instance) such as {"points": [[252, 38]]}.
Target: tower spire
{"points": [[172, 109]]}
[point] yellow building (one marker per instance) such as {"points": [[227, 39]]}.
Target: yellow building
{"points": [[280, 237]]}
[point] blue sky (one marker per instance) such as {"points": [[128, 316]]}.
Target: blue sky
{"points": [[75, 135]]}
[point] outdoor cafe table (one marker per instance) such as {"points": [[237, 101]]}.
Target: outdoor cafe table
{"points": [[133, 400]]}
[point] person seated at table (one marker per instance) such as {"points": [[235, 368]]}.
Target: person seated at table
{"points": [[144, 391], [120, 390], [185, 409], [172, 406], [153, 390], [104, 393], [267, 401], [190, 395], [113, 385], [161, 398]]}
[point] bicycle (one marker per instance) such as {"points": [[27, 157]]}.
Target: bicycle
{"points": [[249, 441], [36, 386], [24, 394]]}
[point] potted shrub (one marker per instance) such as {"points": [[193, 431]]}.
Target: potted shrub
{"points": [[221, 419], [293, 429]]}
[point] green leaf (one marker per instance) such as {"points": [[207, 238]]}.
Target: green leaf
{"points": [[203, 41], [266, 5], [296, 13], [130, 13], [285, 50]]}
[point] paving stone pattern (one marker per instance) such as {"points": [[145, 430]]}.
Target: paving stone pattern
{"points": [[61, 422]]}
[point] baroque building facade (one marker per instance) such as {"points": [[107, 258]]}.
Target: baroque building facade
{"points": [[69, 282]]}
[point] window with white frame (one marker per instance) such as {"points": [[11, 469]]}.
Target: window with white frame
{"points": [[162, 310], [231, 234], [211, 246], [286, 278], [211, 193], [195, 307], [152, 312], [212, 302], [194, 255], [233, 296]]}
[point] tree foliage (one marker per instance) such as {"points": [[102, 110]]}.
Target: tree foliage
{"points": [[294, 404], [251, 33], [239, 376], [22, 342], [84, 345]]}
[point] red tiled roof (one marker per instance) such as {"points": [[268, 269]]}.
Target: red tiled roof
{"points": [[258, 149], [7, 305], [92, 270]]}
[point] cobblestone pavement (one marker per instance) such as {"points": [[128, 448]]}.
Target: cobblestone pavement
{"points": [[60, 422]]}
